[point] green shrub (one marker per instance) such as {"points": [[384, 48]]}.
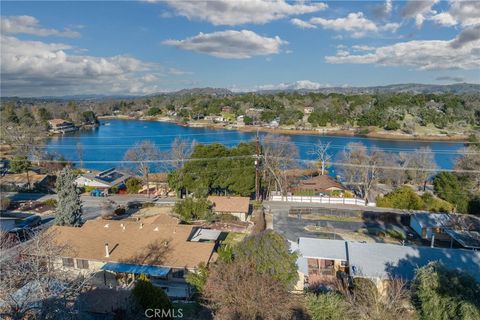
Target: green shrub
{"points": [[148, 296], [226, 217], [50, 202], [89, 189], [193, 209], [114, 189], [153, 111], [392, 125], [133, 185], [401, 198], [434, 204], [327, 306], [440, 293]]}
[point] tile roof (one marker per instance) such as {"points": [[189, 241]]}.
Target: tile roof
{"points": [[133, 242], [230, 204]]}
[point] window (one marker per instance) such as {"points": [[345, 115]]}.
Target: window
{"points": [[82, 264], [178, 273], [67, 262]]}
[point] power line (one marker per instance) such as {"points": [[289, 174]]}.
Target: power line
{"points": [[330, 163]]}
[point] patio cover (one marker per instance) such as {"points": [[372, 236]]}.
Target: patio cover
{"points": [[152, 271]]}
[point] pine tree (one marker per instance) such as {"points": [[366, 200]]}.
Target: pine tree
{"points": [[69, 208]]}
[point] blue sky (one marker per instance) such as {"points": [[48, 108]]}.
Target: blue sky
{"points": [[142, 47]]}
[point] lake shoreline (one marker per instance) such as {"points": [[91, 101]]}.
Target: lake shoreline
{"points": [[325, 132]]}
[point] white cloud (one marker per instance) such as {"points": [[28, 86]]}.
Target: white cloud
{"points": [[228, 12], [444, 19], [32, 68], [230, 44], [422, 55], [355, 23], [302, 24], [297, 85], [30, 25], [465, 13], [420, 10]]}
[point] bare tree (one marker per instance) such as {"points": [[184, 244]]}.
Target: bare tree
{"points": [[80, 153], [360, 167], [237, 291], [422, 166], [180, 152], [279, 155], [32, 286], [394, 173], [141, 158], [320, 151], [470, 160], [390, 303]]}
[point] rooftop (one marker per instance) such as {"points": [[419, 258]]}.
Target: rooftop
{"points": [[110, 177], [56, 122], [230, 204], [320, 182], [378, 260], [427, 220], [467, 239], [134, 243]]}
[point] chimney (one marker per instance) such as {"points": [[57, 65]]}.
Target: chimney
{"points": [[123, 226], [107, 251]]}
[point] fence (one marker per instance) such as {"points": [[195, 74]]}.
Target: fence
{"points": [[326, 200]]}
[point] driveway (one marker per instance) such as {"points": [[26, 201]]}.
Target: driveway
{"points": [[294, 227]]}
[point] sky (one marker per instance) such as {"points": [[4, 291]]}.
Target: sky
{"points": [[63, 48]]}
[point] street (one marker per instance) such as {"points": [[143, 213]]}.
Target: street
{"points": [[92, 206]]}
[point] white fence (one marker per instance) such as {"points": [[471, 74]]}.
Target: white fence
{"points": [[327, 200]]}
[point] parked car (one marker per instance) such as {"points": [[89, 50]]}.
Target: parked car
{"points": [[97, 193]]}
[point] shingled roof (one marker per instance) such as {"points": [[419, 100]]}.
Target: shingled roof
{"points": [[134, 242], [230, 204]]}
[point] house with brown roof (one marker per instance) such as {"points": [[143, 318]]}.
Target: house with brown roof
{"points": [[61, 126], [123, 250], [321, 184], [236, 206]]}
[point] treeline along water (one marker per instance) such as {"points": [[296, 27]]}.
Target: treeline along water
{"points": [[104, 146]]}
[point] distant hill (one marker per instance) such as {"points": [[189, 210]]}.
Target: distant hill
{"points": [[457, 88]]}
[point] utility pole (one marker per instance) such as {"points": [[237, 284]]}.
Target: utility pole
{"points": [[257, 169]]}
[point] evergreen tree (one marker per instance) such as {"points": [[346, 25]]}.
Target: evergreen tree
{"points": [[69, 208]]}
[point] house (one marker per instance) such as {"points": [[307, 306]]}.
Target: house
{"points": [[236, 206], [121, 251], [103, 180], [158, 185], [441, 226], [26, 180], [321, 260], [227, 109], [308, 110], [61, 126], [321, 184], [427, 225]]}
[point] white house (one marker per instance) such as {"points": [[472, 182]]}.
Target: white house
{"points": [[103, 180], [428, 224], [320, 260]]}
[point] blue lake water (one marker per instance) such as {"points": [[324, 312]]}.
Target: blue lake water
{"points": [[107, 144]]}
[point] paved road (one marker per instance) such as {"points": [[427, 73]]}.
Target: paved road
{"points": [[294, 227], [92, 206]]}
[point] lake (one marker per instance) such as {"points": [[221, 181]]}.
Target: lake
{"points": [[108, 143]]}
